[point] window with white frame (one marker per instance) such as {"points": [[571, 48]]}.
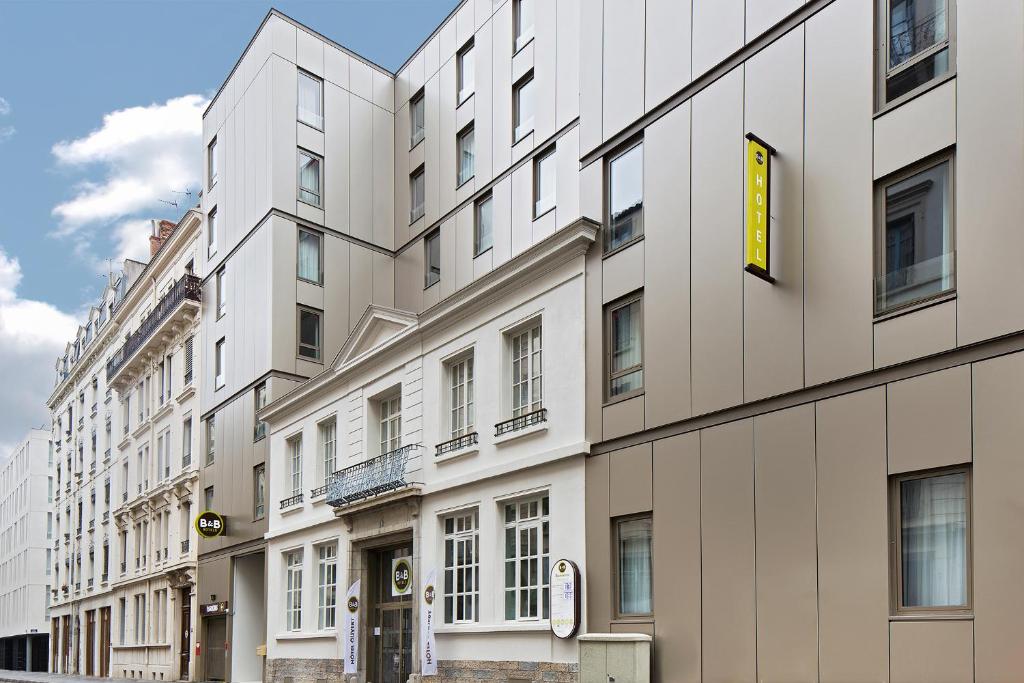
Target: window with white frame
{"points": [[310, 176], [483, 227], [460, 387], [544, 183], [461, 568], [311, 100], [526, 559], [219, 362], [527, 370], [390, 410], [416, 118], [327, 585], [293, 591], [328, 446], [295, 464], [211, 439], [465, 72], [466, 154]]}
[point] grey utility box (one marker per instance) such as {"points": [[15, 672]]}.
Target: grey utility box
{"points": [[615, 658]]}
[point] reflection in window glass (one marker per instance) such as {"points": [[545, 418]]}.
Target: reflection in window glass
{"points": [[309, 178], [309, 256], [433, 249], [466, 154], [311, 109], [917, 255], [484, 237], [634, 553], [918, 44], [309, 334], [626, 200], [626, 355]]}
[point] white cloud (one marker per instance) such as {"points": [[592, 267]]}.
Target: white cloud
{"points": [[6, 132], [5, 107], [32, 334], [145, 153], [132, 240]]}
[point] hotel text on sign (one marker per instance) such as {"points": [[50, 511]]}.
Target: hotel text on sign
{"points": [[759, 154]]}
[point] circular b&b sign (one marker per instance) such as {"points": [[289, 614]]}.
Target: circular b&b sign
{"points": [[401, 576], [209, 524]]}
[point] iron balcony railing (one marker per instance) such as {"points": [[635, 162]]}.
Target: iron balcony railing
{"points": [[521, 422], [186, 460], [373, 477], [189, 287], [457, 444], [289, 502]]}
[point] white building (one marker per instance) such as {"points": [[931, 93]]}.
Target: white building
{"points": [[125, 604], [26, 532]]}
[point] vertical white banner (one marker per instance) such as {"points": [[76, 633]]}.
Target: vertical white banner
{"points": [[428, 653], [351, 633]]}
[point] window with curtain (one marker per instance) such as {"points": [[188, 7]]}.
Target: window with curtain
{"points": [[417, 193], [483, 233], [416, 119], [633, 541], [327, 585], [432, 245], [624, 322], [544, 183], [309, 256], [211, 441], [311, 100], [293, 591], [626, 198], [933, 528], [309, 178], [466, 151], [465, 69], [522, 108]]}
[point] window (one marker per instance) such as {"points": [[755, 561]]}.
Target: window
{"points": [[328, 445], [432, 247], [460, 385], [915, 247], [931, 529], [208, 498], [189, 343], [222, 293], [483, 228], [625, 198], [293, 591], [211, 162], [624, 341], [916, 44], [211, 232], [464, 68], [295, 464], [522, 108], [417, 108], [327, 585], [211, 440], [140, 618], [633, 565], [186, 442], [259, 402], [522, 19], [461, 568], [311, 100], [527, 376], [309, 177], [417, 194], [390, 424], [544, 183], [526, 559], [310, 266], [309, 333], [259, 491], [466, 147], [122, 613], [219, 362]]}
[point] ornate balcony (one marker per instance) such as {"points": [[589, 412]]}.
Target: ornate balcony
{"points": [[177, 308], [371, 478]]}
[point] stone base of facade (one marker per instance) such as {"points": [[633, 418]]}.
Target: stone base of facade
{"points": [[448, 671]]}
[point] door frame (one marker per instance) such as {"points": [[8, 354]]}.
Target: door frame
{"points": [[372, 557], [185, 641]]}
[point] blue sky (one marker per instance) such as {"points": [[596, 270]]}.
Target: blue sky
{"points": [[99, 120]]}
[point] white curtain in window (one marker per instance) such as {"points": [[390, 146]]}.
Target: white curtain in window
{"points": [[635, 566], [934, 540], [309, 256], [310, 101]]}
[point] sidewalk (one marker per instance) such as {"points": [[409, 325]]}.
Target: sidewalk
{"points": [[9, 676]]}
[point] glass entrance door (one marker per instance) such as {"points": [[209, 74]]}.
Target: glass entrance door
{"points": [[391, 632]]}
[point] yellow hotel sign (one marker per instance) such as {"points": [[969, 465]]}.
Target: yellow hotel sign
{"points": [[759, 155]]}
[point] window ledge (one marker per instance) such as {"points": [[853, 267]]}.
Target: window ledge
{"points": [[623, 247], [463, 100], [462, 184], [306, 635], [526, 431], [963, 616], [543, 213], [186, 393], [915, 306], [291, 509], [455, 455], [507, 627], [163, 411], [315, 206], [914, 94], [141, 429]]}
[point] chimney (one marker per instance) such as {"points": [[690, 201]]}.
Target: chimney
{"points": [[161, 231]]}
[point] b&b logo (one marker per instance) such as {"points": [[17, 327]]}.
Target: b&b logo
{"points": [[353, 604], [209, 524]]}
